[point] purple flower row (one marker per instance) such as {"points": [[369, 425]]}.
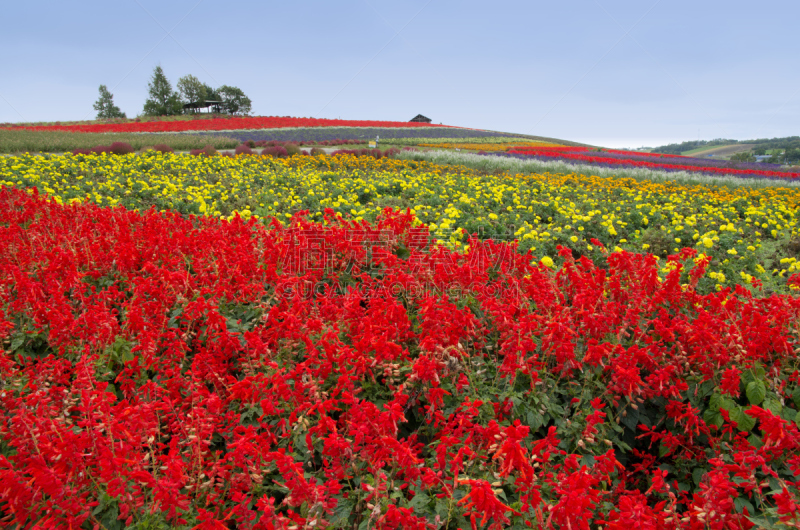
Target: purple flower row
{"points": [[631, 166], [318, 134]]}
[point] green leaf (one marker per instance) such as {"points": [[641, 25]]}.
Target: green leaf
{"points": [[727, 403], [442, 508], [622, 445], [697, 475], [773, 405], [706, 388], [342, 513], [713, 417], [17, 342], [796, 396], [402, 252], [745, 421], [420, 502], [631, 420], [127, 355], [756, 392], [534, 421], [762, 522], [788, 414], [741, 502]]}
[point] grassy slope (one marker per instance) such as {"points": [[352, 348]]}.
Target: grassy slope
{"points": [[723, 151]]}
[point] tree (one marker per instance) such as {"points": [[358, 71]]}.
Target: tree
{"points": [[234, 101], [105, 105], [744, 156], [163, 101], [191, 89], [211, 93]]}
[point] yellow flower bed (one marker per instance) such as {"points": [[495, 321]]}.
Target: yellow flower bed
{"points": [[746, 230]]}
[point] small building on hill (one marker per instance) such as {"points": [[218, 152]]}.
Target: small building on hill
{"points": [[216, 106], [419, 118]]}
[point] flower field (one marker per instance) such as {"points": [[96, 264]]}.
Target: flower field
{"points": [[751, 234], [23, 140], [616, 158], [402, 135], [348, 342], [162, 370], [477, 146], [219, 124]]}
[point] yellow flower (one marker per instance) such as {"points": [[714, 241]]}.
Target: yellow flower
{"points": [[547, 261]]}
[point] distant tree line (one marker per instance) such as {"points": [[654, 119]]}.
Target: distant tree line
{"points": [[789, 142], [676, 149], [164, 101], [782, 150]]}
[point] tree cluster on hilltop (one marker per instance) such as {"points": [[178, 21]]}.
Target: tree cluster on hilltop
{"points": [[162, 100]]}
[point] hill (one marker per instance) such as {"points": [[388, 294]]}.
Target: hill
{"points": [[790, 146]]}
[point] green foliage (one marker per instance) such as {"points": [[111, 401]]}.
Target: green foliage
{"points": [[744, 156], [211, 93], [163, 101], [676, 149], [234, 100], [756, 391], [292, 149], [762, 145], [105, 107], [787, 156], [192, 90]]}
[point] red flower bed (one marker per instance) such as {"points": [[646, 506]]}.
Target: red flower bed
{"points": [[167, 370], [577, 154], [219, 124]]}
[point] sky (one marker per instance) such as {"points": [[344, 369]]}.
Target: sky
{"points": [[614, 73]]}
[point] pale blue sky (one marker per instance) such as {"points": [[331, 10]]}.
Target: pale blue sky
{"points": [[607, 72]]}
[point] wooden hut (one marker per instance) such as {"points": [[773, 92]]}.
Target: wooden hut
{"points": [[419, 118], [216, 106]]}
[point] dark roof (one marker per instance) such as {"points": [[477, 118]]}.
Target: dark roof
{"points": [[420, 118], [205, 104]]}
